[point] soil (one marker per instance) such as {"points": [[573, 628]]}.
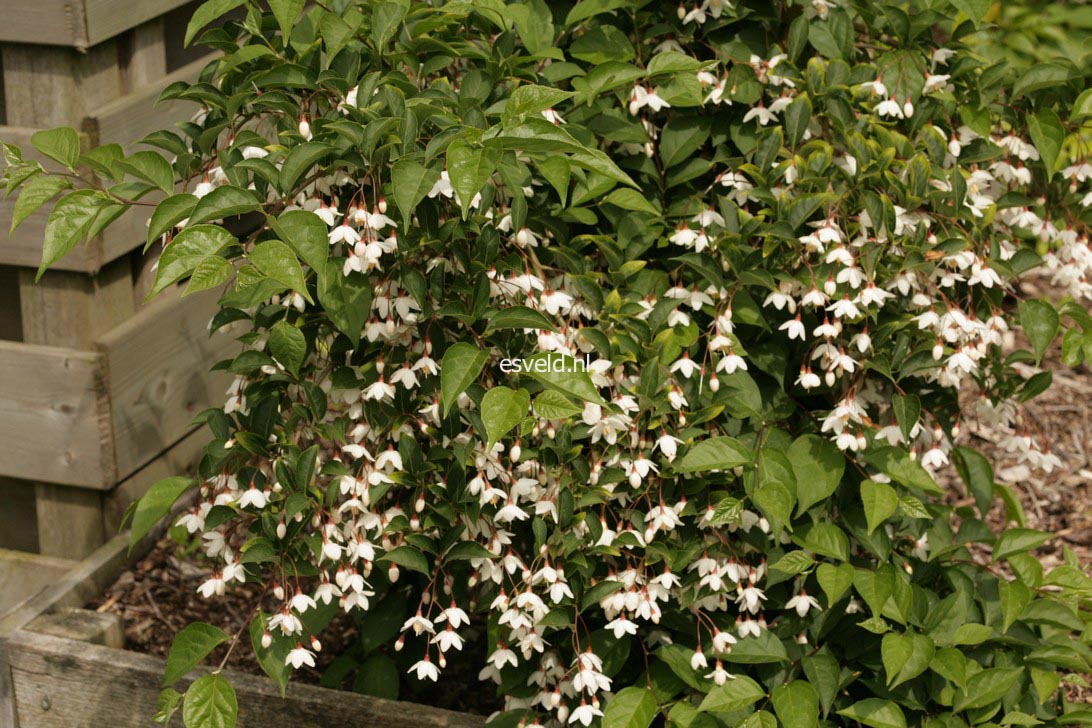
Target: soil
{"points": [[158, 596]]}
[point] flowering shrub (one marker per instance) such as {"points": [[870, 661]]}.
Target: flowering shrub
{"points": [[754, 262]]}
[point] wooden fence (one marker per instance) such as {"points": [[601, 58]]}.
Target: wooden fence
{"points": [[97, 391]]}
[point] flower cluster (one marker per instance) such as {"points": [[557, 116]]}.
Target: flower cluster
{"points": [[775, 251]]}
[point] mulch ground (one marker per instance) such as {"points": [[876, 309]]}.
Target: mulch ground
{"points": [[158, 597]]}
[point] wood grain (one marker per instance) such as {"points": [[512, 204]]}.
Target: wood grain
{"points": [[76, 23], [128, 119], [53, 411], [62, 683], [107, 18], [22, 574], [158, 376]]}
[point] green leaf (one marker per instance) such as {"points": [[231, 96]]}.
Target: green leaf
{"points": [[715, 453], [907, 409], [949, 663], [347, 299], [377, 676], [1040, 76], [876, 713], [1041, 323], [589, 8], [210, 703], [977, 475], [553, 405], [156, 504], [151, 167], [681, 138], [386, 17], [468, 550], [185, 251], [532, 99], [1048, 136], [1015, 596], [168, 214], [834, 580], [672, 62], [563, 373], [166, 705], [411, 181], [905, 656], [987, 686], [271, 659], [826, 539], [209, 273], [286, 12], [818, 466], [299, 160], [460, 366], [1082, 107], [796, 705], [896, 464], [630, 199], [288, 346], [632, 707], [61, 144], [794, 562], [732, 695], [519, 317], [975, 10], [189, 647], [470, 168], [1018, 540], [797, 118], [206, 13], [35, 193], [825, 675], [880, 503], [277, 261], [534, 23], [306, 234], [68, 223], [775, 501], [223, 201], [407, 557], [501, 410]]}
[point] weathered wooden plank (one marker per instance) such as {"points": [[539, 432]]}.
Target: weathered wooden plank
{"points": [[53, 411], [107, 18], [74, 589], [76, 23], [51, 22], [125, 120], [62, 683], [82, 625], [157, 366], [129, 119], [22, 574]]}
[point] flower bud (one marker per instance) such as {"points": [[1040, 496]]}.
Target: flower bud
{"points": [[267, 640], [393, 573]]}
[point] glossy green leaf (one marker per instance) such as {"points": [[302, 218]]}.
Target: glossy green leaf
{"points": [[210, 702], [189, 648]]}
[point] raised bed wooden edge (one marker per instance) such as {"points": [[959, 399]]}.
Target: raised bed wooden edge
{"points": [[52, 681]]}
